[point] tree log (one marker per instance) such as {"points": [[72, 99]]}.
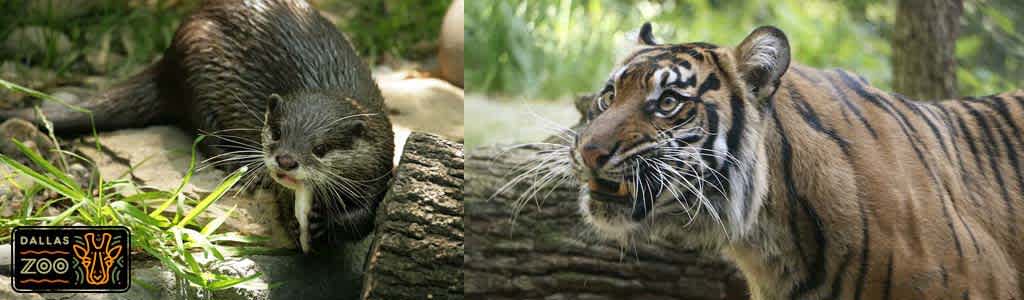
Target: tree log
{"points": [[542, 252], [417, 252], [924, 48]]}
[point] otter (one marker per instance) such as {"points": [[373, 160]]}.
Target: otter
{"points": [[277, 88]]}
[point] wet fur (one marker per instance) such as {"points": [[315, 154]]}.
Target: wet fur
{"points": [[225, 61]]}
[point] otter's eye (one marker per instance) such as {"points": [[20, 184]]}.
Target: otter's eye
{"points": [[320, 150], [275, 133]]}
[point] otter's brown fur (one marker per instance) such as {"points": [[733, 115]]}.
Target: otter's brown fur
{"points": [[225, 62]]}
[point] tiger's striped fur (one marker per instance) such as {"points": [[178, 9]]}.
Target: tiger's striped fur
{"points": [[816, 184]]}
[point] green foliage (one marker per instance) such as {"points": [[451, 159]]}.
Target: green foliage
{"points": [[401, 28], [550, 49], [990, 49], [173, 238], [137, 31]]}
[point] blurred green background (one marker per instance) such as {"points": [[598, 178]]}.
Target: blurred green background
{"points": [[521, 55], [72, 39]]}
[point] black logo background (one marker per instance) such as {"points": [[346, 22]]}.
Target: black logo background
{"points": [[119, 275]]}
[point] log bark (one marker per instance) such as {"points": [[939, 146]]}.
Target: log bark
{"points": [[543, 252], [924, 48], [417, 252]]}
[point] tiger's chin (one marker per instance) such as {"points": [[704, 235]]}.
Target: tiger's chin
{"points": [[612, 211], [607, 220]]}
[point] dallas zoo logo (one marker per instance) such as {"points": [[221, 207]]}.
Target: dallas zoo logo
{"points": [[71, 259]]}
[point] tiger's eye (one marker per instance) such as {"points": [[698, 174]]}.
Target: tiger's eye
{"points": [[668, 104], [604, 100]]}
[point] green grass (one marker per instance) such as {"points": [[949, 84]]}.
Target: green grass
{"points": [[552, 49], [174, 237]]}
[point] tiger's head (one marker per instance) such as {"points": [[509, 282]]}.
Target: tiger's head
{"points": [[672, 141]]}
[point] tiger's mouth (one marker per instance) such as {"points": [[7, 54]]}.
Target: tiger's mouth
{"points": [[609, 191], [634, 198]]}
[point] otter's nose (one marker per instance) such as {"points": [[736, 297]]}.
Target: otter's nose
{"points": [[595, 156], [286, 162]]}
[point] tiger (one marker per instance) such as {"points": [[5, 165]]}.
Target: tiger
{"points": [[812, 182]]}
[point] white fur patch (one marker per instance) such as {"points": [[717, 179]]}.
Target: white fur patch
{"points": [[764, 52]]}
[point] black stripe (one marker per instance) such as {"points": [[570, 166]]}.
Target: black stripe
{"points": [[708, 148], [909, 131], [935, 129], [993, 154], [954, 139], [967, 180], [843, 98], [838, 279], [811, 117], [969, 139], [692, 52], [686, 118], [887, 285], [945, 276], [732, 137], [865, 251], [710, 83], [805, 284], [999, 106], [733, 146], [949, 222]]}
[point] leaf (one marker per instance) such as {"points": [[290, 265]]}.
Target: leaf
{"points": [[213, 225], [230, 282], [213, 196], [184, 181]]}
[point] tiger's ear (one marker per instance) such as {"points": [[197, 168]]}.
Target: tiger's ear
{"points": [[646, 35], [763, 57]]}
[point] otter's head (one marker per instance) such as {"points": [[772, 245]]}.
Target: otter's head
{"points": [[332, 146], [672, 141]]}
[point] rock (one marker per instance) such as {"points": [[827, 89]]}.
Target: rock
{"points": [[160, 155], [34, 41], [11, 99], [70, 94], [30, 136], [424, 104], [450, 50], [7, 291]]}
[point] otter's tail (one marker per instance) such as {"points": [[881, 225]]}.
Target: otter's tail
{"points": [[134, 102]]}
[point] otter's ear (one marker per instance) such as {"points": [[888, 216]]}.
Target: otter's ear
{"points": [[273, 101], [763, 57], [646, 35]]}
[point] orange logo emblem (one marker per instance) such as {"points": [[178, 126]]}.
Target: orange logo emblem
{"points": [[97, 257]]}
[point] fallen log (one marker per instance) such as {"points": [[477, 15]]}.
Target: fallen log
{"points": [[417, 252]]}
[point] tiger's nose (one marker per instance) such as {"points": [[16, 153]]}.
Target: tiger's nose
{"points": [[595, 156], [286, 162]]}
